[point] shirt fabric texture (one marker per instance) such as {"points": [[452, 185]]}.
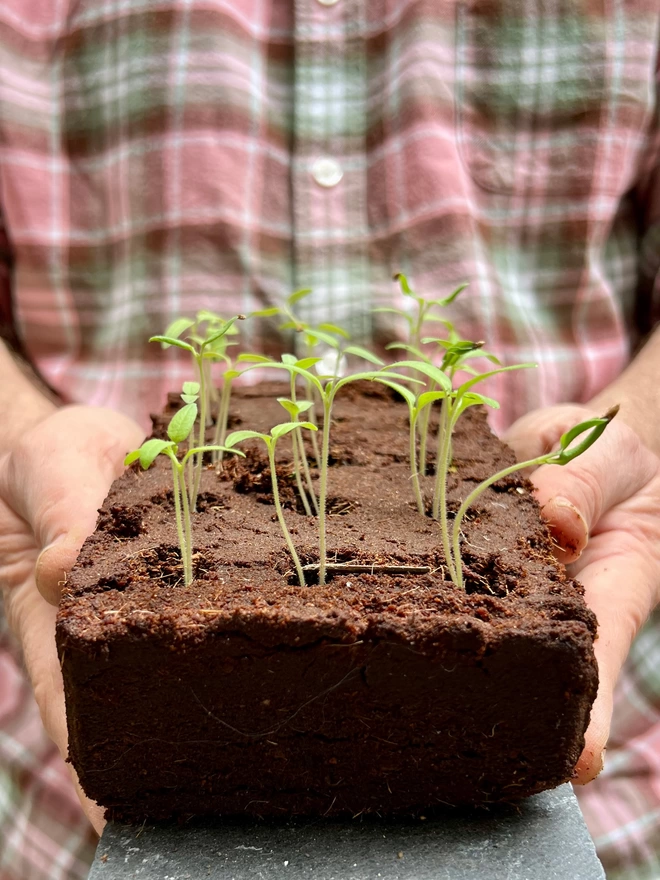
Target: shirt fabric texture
{"points": [[161, 157]]}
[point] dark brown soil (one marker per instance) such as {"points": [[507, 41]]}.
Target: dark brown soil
{"points": [[247, 693]]}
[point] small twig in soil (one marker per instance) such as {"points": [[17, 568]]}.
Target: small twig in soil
{"points": [[351, 568]]}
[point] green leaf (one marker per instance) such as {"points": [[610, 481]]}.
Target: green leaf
{"points": [[432, 372], [295, 297], [363, 353], [225, 329], [594, 426], [289, 405], [306, 363], [149, 451], [289, 359], [178, 326], [452, 296], [334, 328], [406, 393], [391, 311], [411, 349], [131, 457], [380, 375], [166, 341], [266, 313], [286, 428], [239, 436], [319, 336], [429, 397], [294, 408], [247, 357], [197, 449], [231, 374], [403, 283], [298, 326], [190, 392], [481, 376], [182, 423]]}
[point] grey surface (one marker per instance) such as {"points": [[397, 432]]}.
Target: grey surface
{"points": [[543, 839]]}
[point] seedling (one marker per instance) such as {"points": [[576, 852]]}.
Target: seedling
{"points": [[593, 428], [202, 350], [422, 313], [331, 335], [179, 431], [326, 387], [455, 402], [271, 442], [295, 409]]}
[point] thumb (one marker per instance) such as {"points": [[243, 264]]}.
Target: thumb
{"points": [[58, 477], [573, 497]]}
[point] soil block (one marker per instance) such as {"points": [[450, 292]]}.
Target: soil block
{"points": [[383, 691]]}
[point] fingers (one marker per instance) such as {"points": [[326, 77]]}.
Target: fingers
{"points": [[57, 478], [574, 497], [620, 587], [33, 621]]}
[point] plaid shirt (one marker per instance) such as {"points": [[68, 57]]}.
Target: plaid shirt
{"points": [[160, 156]]}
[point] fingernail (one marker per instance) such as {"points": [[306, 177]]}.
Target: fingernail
{"points": [[560, 501], [569, 527]]}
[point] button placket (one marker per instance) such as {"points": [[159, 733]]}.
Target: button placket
{"points": [[329, 172]]}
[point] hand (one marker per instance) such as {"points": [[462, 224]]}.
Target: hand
{"points": [[603, 511], [51, 485]]}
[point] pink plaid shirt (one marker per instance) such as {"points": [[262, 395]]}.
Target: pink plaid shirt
{"points": [[162, 156]]}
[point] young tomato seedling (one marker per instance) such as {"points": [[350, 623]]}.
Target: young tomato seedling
{"points": [[201, 349], [271, 442], [593, 428], [179, 430]]}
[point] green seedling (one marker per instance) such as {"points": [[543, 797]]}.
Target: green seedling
{"points": [[202, 349], [418, 404], [421, 314], [179, 431], [423, 310], [567, 452], [300, 454], [295, 409], [326, 388], [331, 335], [454, 403], [271, 442]]}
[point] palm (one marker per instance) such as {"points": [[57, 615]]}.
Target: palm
{"points": [[50, 489]]}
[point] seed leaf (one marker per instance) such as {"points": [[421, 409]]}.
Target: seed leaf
{"points": [[306, 363], [253, 358], [166, 341], [363, 353], [182, 423], [432, 372], [406, 393], [403, 283], [298, 295], [179, 326], [266, 313], [239, 436], [285, 428], [429, 397], [149, 450], [334, 328], [595, 427], [452, 296], [319, 336]]}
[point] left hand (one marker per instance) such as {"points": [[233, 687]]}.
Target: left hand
{"points": [[603, 510]]}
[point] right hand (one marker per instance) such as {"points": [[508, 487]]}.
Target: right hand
{"points": [[52, 483]]}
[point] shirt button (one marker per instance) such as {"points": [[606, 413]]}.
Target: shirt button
{"points": [[328, 2], [327, 172]]}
